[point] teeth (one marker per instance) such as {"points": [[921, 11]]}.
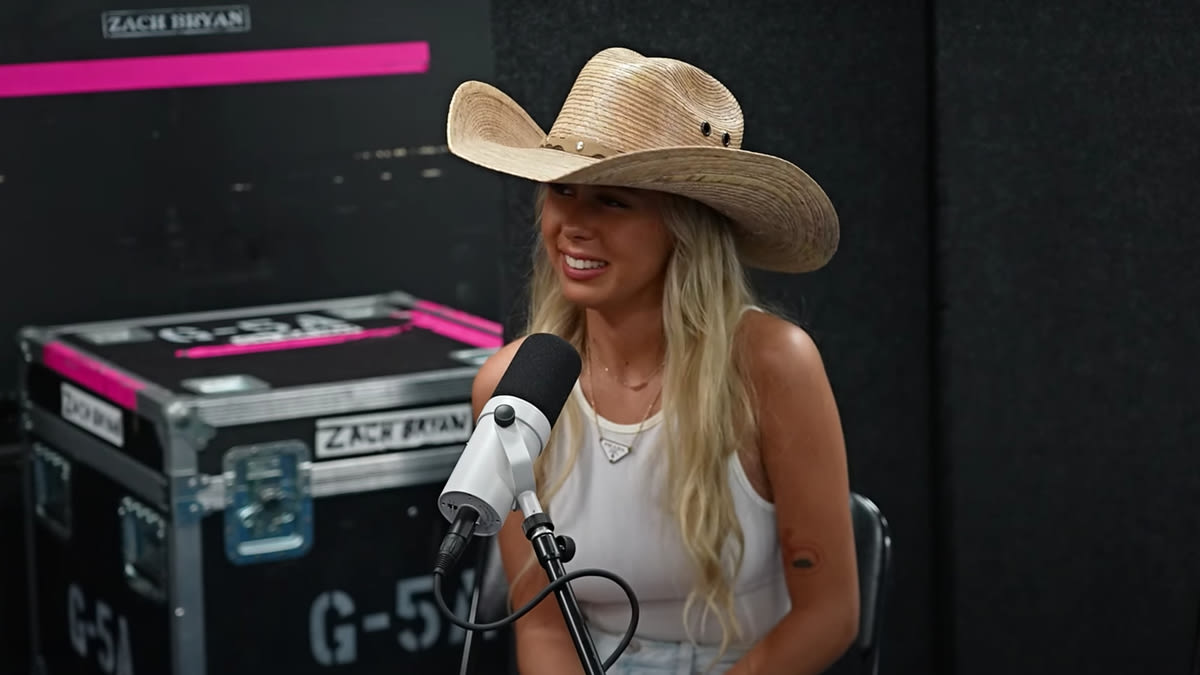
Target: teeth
{"points": [[576, 263]]}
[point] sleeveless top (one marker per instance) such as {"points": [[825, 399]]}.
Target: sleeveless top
{"points": [[613, 513]]}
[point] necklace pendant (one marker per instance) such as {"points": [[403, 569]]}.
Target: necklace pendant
{"points": [[615, 451]]}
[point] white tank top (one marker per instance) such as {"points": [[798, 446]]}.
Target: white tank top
{"points": [[613, 514]]}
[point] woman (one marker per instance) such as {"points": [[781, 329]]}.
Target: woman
{"points": [[700, 455]]}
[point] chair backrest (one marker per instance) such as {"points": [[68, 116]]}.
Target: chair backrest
{"points": [[873, 543]]}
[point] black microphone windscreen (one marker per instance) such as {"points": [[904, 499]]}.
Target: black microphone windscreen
{"points": [[542, 372]]}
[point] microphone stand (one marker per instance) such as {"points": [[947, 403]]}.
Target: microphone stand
{"points": [[551, 551]]}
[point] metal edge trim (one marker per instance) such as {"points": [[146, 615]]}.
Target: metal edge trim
{"points": [[352, 396], [35, 334], [357, 474], [83, 448], [398, 297], [383, 472], [186, 593], [186, 566]]}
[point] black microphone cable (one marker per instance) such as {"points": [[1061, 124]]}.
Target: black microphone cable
{"points": [[440, 571]]}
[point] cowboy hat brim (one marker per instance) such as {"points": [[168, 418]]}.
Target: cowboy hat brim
{"points": [[783, 220]]}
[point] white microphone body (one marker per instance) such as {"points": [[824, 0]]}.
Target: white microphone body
{"points": [[496, 466]]}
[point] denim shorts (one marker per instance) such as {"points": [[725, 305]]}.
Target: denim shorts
{"points": [[651, 657]]}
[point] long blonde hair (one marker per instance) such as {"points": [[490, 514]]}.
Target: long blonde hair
{"points": [[707, 401]]}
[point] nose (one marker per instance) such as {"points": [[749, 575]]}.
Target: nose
{"points": [[576, 224], [577, 230]]}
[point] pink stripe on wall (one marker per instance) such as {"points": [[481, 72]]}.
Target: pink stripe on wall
{"points": [[115, 386], [221, 68]]}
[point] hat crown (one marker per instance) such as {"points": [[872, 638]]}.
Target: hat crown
{"points": [[624, 102]]}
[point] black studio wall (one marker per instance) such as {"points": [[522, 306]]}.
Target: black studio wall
{"points": [[1068, 166], [1010, 324]]}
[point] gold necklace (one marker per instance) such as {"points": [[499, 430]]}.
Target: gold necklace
{"points": [[634, 387], [613, 450]]}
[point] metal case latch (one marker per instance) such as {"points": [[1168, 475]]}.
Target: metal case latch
{"points": [[268, 502], [143, 543]]}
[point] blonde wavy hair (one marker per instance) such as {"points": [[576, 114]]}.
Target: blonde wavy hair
{"points": [[706, 397]]}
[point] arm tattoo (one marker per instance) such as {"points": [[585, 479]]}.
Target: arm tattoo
{"points": [[803, 557]]}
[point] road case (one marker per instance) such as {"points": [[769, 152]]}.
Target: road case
{"points": [[247, 491]]}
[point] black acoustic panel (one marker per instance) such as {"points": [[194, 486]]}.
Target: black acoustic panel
{"points": [[159, 200], [1070, 151], [840, 89]]}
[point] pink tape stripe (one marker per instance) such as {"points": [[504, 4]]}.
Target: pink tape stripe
{"points": [[459, 315], [281, 345], [455, 331], [76, 367], [199, 70]]}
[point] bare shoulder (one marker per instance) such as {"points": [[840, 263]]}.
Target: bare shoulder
{"points": [[490, 373], [794, 396], [776, 348]]}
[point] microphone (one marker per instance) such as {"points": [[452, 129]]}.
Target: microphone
{"points": [[494, 476], [496, 467]]}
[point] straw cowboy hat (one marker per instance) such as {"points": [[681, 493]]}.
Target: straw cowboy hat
{"points": [[656, 124]]}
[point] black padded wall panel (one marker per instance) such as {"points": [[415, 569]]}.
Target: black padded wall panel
{"points": [[1068, 171], [840, 89]]}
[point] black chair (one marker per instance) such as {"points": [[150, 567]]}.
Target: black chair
{"points": [[873, 543]]}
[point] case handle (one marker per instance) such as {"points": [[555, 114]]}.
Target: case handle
{"points": [[52, 490], [143, 545]]}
